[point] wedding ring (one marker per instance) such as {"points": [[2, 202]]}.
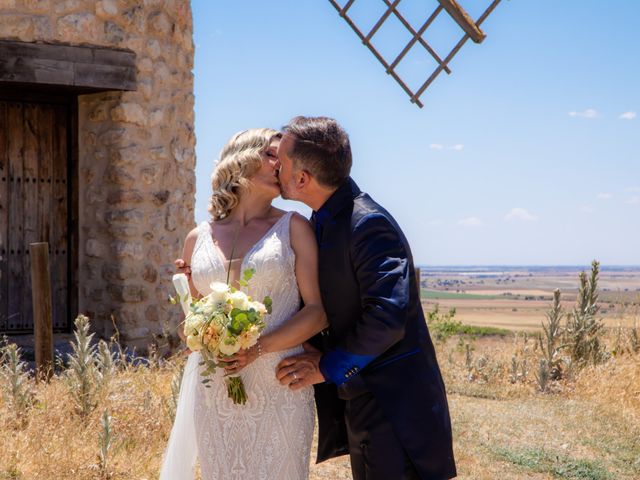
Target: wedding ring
{"points": [[235, 364], [295, 377]]}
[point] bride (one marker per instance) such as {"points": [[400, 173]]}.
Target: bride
{"points": [[270, 436]]}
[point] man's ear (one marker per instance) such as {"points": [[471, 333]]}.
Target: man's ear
{"points": [[303, 179]]}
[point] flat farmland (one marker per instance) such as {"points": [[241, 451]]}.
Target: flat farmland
{"points": [[517, 298]]}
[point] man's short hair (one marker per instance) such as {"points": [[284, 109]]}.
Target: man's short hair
{"points": [[322, 148]]}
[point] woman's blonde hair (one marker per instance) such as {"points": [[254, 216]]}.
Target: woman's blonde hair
{"points": [[239, 159]]}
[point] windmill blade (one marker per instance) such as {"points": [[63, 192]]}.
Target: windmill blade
{"points": [[470, 28]]}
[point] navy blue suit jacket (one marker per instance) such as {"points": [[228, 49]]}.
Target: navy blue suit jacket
{"points": [[377, 340]]}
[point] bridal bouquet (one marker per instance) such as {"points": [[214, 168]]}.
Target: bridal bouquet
{"points": [[221, 323]]}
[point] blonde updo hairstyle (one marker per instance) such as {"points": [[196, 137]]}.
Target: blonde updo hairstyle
{"points": [[239, 160]]}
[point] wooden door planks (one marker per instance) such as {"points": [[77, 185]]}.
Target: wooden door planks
{"points": [[16, 213], [4, 217], [59, 219]]}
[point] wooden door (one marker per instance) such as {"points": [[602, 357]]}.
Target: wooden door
{"points": [[34, 207]]}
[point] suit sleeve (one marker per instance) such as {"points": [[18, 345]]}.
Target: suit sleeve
{"points": [[381, 264]]}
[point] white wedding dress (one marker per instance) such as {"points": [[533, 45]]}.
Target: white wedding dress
{"points": [[270, 436]]}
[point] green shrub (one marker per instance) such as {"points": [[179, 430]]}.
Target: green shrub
{"points": [[444, 325]]}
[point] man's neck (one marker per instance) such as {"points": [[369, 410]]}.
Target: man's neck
{"points": [[320, 197]]}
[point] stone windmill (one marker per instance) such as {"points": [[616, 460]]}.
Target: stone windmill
{"points": [[96, 158], [471, 30]]}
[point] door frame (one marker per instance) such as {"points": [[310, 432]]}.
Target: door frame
{"points": [[58, 72], [35, 94]]}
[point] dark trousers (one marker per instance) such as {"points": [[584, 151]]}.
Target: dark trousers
{"points": [[375, 451]]}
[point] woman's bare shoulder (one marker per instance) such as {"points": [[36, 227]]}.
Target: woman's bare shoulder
{"points": [[191, 238], [300, 228], [193, 234], [300, 220]]}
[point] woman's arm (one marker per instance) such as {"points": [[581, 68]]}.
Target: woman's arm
{"points": [[311, 319], [183, 265]]}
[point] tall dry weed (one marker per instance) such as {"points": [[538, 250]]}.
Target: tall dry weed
{"points": [[17, 385], [550, 341], [584, 327], [82, 376]]}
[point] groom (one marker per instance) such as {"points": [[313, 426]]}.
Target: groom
{"points": [[379, 393]]}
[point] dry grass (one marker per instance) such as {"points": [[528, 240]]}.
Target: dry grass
{"points": [[517, 315], [587, 428], [56, 443]]}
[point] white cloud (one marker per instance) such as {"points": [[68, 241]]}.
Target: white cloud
{"points": [[471, 222], [628, 116], [520, 214], [438, 146], [588, 113], [587, 209], [605, 196], [635, 200], [632, 189]]}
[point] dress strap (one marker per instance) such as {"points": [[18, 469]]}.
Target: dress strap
{"points": [[284, 228], [203, 232]]}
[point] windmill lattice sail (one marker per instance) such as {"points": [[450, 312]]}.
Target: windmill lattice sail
{"points": [[470, 28]]}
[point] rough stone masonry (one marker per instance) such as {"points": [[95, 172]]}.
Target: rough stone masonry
{"points": [[136, 154]]}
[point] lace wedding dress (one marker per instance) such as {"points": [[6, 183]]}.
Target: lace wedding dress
{"points": [[270, 436]]}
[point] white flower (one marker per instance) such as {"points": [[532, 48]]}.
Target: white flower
{"points": [[193, 323], [239, 300], [258, 307], [218, 322], [249, 338], [212, 304], [193, 343], [229, 345], [219, 291]]}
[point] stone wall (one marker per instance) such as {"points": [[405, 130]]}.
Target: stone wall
{"points": [[136, 154]]}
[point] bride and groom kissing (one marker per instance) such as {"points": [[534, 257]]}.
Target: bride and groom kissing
{"points": [[346, 333]]}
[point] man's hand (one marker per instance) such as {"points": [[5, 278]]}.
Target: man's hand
{"points": [[182, 267], [301, 370]]}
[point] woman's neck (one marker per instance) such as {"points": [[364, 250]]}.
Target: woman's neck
{"points": [[249, 208]]}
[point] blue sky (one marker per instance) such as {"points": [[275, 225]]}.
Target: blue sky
{"points": [[527, 154]]}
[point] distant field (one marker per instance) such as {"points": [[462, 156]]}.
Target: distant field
{"points": [[518, 299], [513, 292], [435, 294]]}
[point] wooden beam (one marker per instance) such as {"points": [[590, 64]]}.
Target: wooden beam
{"points": [[76, 68], [463, 19], [42, 308]]}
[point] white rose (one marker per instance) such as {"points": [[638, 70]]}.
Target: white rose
{"points": [[258, 307], [239, 300], [193, 323], [219, 292], [229, 345], [249, 338]]}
